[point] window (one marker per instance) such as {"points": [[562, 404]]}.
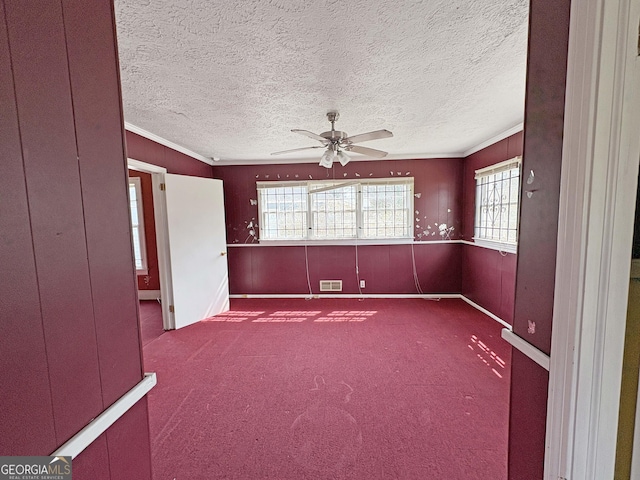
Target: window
{"points": [[497, 198], [137, 224], [320, 210]]}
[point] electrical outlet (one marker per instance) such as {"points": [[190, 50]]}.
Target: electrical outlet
{"points": [[362, 284]]}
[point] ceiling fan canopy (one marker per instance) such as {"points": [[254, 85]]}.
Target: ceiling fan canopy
{"points": [[337, 143]]}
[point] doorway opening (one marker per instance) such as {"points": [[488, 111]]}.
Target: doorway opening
{"points": [[190, 235], [154, 318]]}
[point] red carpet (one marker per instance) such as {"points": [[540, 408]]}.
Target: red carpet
{"points": [[150, 320], [332, 389]]}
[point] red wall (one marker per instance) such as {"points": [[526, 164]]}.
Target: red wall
{"points": [[145, 150], [489, 279], [150, 281], [385, 268], [69, 330], [488, 276], [544, 119]]}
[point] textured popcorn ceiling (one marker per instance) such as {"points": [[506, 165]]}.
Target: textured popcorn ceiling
{"points": [[231, 79]]}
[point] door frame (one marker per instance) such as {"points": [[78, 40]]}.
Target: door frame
{"points": [[162, 237], [598, 191]]}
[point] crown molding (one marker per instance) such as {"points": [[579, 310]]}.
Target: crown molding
{"points": [[167, 143], [296, 160], [495, 139], [222, 162]]}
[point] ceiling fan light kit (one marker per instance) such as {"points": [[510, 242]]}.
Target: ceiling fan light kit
{"points": [[337, 143], [327, 158], [343, 158]]}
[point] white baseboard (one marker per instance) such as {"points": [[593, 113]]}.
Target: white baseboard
{"points": [[427, 296], [149, 294], [486, 312], [430, 296]]}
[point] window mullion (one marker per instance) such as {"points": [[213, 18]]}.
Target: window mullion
{"points": [[358, 210], [509, 207], [409, 213], [309, 214]]}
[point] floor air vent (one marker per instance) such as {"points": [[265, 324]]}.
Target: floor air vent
{"points": [[330, 285]]}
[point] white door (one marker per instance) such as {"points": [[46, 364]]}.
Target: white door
{"points": [[197, 248]]}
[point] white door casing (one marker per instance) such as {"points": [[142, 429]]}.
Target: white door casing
{"points": [[160, 214], [597, 203]]}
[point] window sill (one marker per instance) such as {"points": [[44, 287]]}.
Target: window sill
{"points": [[143, 271], [350, 241], [493, 245]]}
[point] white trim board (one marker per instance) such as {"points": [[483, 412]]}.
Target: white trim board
{"points": [[490, 246], [509, 164], [495, 139], [321, 243], [140, 166], [597, 203], [162, 233], [149, 295], [526, 348], [298, 160], [426, 296], [213, 161], [486, 312], [81, 440], [498, 246], [312, 296], [167, 143]]}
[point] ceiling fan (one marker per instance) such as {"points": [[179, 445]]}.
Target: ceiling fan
{"points": [[337, 143]]}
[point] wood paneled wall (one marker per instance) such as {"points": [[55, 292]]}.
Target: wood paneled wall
{"points": [[488, 276], [385, 268], [535, 274], [145, 150], [69, 332]]}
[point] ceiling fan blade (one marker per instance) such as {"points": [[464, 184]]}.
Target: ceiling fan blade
{"points": [[363, 137], [309, 134], [297, 149], [372, 152]]}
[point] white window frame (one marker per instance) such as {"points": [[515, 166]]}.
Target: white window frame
{"points": [[321, 186], [504, 245], [316, 186], [137, 186]]}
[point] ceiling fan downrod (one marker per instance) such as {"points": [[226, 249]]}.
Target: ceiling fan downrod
{"points": [[333, 116], [334, 136]]}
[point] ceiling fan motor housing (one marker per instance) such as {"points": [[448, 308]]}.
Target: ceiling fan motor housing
{"points": [[334, 135]]}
